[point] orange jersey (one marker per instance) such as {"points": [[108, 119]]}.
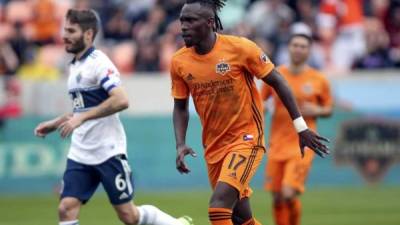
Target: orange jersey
{"points": [[225, 96], [308, 86]]}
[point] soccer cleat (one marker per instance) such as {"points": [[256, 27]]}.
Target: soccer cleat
{"points": [[186, 220]]}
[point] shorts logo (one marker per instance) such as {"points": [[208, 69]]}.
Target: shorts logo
{"points": [[248, 137], [123, 196], [222, 67]]}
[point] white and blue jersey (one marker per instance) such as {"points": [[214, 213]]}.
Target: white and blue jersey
{"points": [[91, 78]]}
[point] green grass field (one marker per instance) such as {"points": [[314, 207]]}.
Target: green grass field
{"points": [[322, 206]]}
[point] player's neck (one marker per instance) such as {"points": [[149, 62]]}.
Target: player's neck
{"points": [[207, 45], [297, 68], [81, 53]]}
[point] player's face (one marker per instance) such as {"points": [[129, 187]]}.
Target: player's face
{"points": [[73, 38], [195, 25], [299, 50]]}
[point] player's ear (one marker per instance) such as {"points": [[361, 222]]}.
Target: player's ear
{"points": [[88, 35], [211, 22]]}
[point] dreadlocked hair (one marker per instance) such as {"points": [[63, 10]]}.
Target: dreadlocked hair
{"points": [[216, 6]]}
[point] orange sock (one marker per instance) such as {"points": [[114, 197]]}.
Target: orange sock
{"points": [[220, 216], [294, 207], [252, 221], [281, 213]]}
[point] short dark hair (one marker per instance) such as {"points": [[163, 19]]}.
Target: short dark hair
{"points": [[86, 19], [216, 6], [306, 36]]}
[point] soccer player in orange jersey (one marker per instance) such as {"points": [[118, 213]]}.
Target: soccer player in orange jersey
{"points": [[218, 72], [286, 170]]}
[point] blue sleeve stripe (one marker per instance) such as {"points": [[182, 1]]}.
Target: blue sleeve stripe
{"points": [[111, 87], [105, 79]]}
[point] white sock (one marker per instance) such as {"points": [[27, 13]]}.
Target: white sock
{"points": [[72, 222], [151, 215]]}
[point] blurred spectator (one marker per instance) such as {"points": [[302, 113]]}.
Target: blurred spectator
{"points": [[36, 68], [342, 32], [10, 107], [392, 24], [377, 40], [147, 57], [265, 16], [46, 25], [8, 58], [117, 27]]}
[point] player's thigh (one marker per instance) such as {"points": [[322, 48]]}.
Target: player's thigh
{"points": [[116, 177], [79, 181], [274, 175], [238, 168], [296, 172], [214, 171]]}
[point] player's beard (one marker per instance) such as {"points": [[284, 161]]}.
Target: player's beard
{"points": [[76, 47]]}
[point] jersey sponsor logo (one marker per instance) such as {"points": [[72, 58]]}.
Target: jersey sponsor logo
{"points": [[222, 67], [370, 145]]}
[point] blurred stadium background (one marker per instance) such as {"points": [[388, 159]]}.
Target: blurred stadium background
{"points": [[357, 45]]}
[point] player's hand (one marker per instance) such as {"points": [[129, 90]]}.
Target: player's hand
{"points": [[68, 126], [44, 128], [182, 151], [309, 109], [313, 141]]}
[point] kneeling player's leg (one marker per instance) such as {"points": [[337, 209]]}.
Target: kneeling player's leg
{"points": [[79, 183], [116, 177]]}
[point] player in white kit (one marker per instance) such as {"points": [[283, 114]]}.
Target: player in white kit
{"points": [[98, 146]]}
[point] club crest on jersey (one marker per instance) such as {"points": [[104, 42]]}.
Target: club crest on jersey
{"points": [[307, 88], [222, 67]]}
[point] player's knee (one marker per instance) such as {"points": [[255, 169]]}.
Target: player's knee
{"points": [[289, 193], [128, 217], [67, 210], [224, 199]]}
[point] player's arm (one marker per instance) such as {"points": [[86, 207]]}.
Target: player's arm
{"points": [[49, 126], [308, 109], [116, 102], [181, 120], [307, 137]]}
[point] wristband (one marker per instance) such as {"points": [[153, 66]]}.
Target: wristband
{"points": [[299, 124]]}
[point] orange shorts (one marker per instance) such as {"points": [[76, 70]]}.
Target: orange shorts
{"points": [[292, 172], [236, 168]]}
